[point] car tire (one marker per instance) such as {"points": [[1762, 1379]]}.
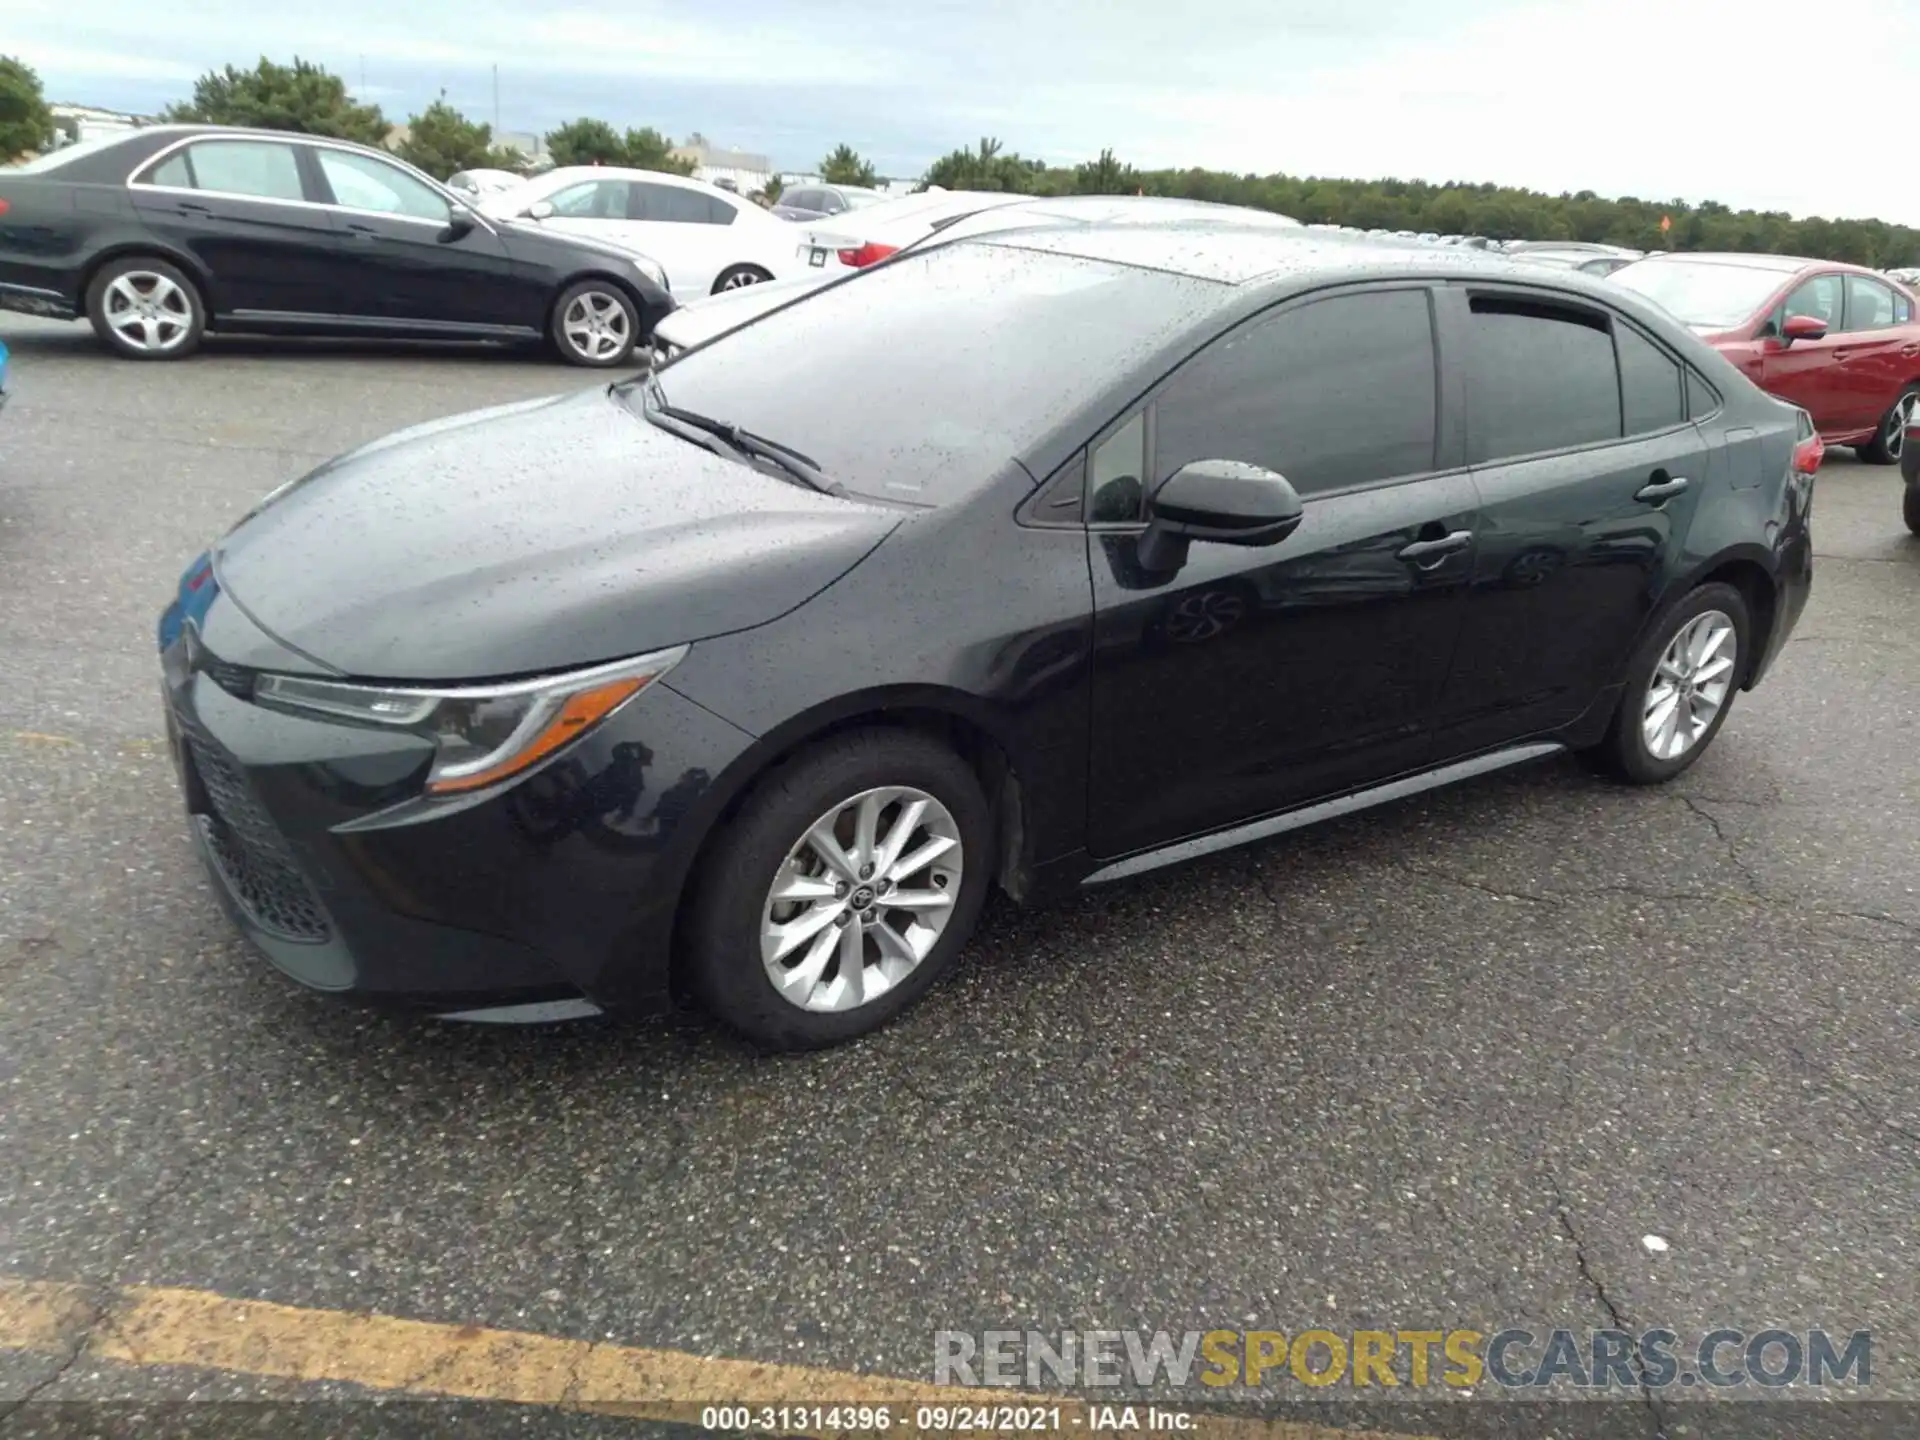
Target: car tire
{"points": [[1910, 506], [1644, 750], [1890, 440], [739, 933], [736, 277], [143, 308], [596, 324]]}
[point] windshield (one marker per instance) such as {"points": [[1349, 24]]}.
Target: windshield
{"points": [[920, 379], [1709, 294]]}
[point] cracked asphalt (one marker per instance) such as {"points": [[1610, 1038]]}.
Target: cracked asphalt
{"points": [[1445, 1063]]}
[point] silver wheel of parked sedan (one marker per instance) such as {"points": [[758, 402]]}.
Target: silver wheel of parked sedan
{"points": [[1894, 438], [597, 326], [861, 899], [149, 311], [1690, 684], [143, 308]]}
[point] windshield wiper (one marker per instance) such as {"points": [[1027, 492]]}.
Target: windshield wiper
{"points": [[743, 442]]}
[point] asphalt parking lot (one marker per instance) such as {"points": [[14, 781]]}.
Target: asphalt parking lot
{"points": [[1442, 1064]]}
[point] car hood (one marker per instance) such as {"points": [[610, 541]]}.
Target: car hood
{"points": [[531, 537], [700, 321]]}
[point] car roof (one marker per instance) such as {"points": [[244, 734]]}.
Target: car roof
{"points": [[1235, 254], [1785, 264], [630, 172]]}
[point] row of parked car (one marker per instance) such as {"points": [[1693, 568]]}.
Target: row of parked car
{"points": [[161, 234]]}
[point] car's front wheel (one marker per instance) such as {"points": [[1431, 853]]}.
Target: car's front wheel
{"points": [[596, 324], [1910, 506], [848, 881], [1890, 440], [1680, 685], [142, 308]]}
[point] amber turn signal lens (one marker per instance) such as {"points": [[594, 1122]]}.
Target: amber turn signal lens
{"points": [[580, 713]]}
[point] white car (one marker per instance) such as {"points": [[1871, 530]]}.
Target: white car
{"points": [[705, 238], [970, 213], [858, 238], [482, 182]]}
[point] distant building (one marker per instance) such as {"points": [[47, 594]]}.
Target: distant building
{"points": [[714, 163], [74, 123], [525, 141]]}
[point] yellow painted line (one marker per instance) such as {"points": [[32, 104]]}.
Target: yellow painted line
{"points": [[34, 737], [154, 1325]]}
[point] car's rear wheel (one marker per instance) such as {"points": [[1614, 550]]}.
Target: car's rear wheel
{"points": [[1680, 686], [142, 308], [737, 277], [850, 878], [1890, 440], [595, 323], [1910, 506]]}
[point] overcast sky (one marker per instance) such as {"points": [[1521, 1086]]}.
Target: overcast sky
{"points": [[1734, 100]]}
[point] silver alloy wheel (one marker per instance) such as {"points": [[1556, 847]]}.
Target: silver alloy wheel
{"points": [[596, 325], [1690, 684], [1894, 440], [861, 899], [740, 279], [148, 311]]}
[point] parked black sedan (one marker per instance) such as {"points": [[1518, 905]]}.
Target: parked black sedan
{"points": [[755, 673], [161, 234]]}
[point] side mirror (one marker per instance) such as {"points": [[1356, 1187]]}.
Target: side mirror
{"points": [[1802, 327], [460, 223], [1228, 502], [540, 210]]}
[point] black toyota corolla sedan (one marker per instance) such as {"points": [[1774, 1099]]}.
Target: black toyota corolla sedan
{"points": [[162, 234], [1033, 560]]}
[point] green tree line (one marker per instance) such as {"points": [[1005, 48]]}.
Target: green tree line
{"points": [[1454, 208]]}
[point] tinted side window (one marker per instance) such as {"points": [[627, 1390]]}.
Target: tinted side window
{"points": [[1869, 304], [1650, 385], [1114, 472], [799, 200], [1818, 297], [171, 171], [362, 183], [1701, 400], [1334, 393], [591, 200], [260, 168], [673, 205], [1539, 377]]}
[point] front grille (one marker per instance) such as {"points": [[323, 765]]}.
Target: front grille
{"points": [[252, 856]]}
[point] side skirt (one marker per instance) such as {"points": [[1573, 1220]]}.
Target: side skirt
{"points": [[1366, 799]]}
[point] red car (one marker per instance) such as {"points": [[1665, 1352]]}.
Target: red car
{"points": [[1840, 341]]}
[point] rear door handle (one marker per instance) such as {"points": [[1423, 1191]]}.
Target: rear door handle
{"points": [[1654, 491], [1423, 550]]}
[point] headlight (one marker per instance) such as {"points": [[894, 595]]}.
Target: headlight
{"points": [[483, 734], [653, 270]]}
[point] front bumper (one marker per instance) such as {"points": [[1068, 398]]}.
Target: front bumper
{"points": [[556, 893]]}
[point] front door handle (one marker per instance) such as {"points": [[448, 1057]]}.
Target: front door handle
{"points": [[1422, 551], [363, 232], [1654, 491]]}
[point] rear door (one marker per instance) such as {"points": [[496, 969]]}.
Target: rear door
{"points": [[403, 261], [244, 209], [683, 229], [1587, 470], [1879, 351], [1252, 679], [1807, 372]]}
